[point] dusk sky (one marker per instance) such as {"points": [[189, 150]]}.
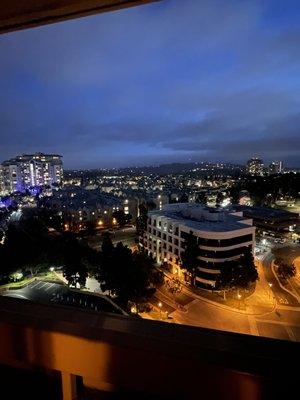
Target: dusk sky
{"points": [[177, 80]]}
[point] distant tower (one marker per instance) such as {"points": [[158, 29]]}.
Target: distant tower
{"points": [[275, 167], [255, 166], [27, 170]]}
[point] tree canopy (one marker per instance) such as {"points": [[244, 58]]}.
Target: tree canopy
{"points": [[129, 276], [237, 274], [189, 258]]}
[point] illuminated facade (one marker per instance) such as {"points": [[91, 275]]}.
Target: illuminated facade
{"points": [[275, 167], [221, 235], [28, 170], [255, 166]]}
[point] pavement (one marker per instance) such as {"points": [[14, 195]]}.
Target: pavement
{"points": [[269, 311], [58, 294]]}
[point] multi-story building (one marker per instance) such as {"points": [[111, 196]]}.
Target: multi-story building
{"points": [[221, 235], [275, 167], [27, 170], [78, 207], [255, 166]]}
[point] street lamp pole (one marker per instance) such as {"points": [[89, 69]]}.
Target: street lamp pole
{"points": [[160, 306], [239, 297], [270, 291]]}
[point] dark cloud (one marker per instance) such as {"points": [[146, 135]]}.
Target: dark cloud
{"points": [[168, 81]]}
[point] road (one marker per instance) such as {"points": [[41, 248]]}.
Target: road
{"points": [[262, 320], [291, 253], [274, 314], [282, 296]]}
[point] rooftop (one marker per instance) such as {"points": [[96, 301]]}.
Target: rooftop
{"points": [[199, 217], [264, 212], [75, 197]]}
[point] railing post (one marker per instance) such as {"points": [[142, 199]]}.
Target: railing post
{"points": [[68, 386]]}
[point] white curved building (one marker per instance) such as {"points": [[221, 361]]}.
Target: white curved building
{"points": [[221, 235]]}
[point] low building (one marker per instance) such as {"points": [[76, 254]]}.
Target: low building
{"points": [[275, 167], [270, 219], [221, 235], [80, 207]]}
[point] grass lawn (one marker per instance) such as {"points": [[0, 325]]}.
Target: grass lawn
{"points": [[49, 276]]}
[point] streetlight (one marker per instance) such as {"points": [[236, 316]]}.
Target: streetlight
{"points": [[239, 297], [133, 310], [270, 285], [160, 306]]}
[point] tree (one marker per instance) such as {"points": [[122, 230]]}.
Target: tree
{"points": [[225, 280], [285, 270], [237, 274], [91, 227], [120, 217], [75, 272], [189, 258], [104, 272], [144, 277], [234, 192], [141, 221], [247, 273], [25, 245], [131, 277], [76, 261], [184, 198], [219, 199], [202, 198]]}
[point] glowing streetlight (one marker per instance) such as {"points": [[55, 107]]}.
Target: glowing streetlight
{"points": [[239, 297], [160, 306], [133, 310], [270, 285]]}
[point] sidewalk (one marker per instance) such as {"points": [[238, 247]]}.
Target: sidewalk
{"points": [[190, 292]]}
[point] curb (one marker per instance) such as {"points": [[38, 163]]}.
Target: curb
{"points": [[280, 284], [222, 306]]}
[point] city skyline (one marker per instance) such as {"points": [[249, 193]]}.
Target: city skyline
{"points": [[156, 84]]}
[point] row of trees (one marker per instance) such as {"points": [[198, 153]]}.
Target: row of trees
{"points": [[264, 191], [131, 276], [285, 269], [28, 247]]}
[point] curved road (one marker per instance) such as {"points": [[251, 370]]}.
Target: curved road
{"points": [[281, 295]]}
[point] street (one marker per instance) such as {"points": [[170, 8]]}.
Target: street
{"points": [[270, 311]]}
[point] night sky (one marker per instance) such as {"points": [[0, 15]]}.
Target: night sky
{"points": [[180, 80]]}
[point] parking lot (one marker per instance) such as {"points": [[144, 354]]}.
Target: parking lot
{"points": [[47, 292]]}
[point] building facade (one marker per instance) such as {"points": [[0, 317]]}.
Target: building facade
{"points": [[270, 219], [29, 170], [79, 208], [255, 166], [221, 236], [275, 167]]}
